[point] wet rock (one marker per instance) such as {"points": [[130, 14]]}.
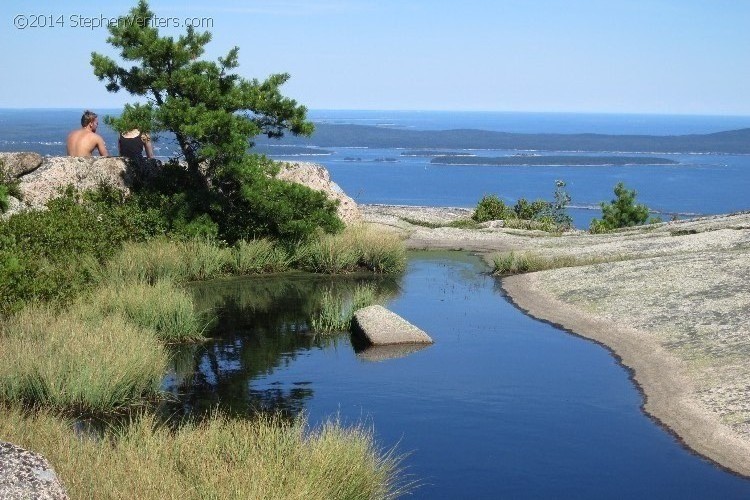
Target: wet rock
{"points": [[379, 326], [26, 475]]}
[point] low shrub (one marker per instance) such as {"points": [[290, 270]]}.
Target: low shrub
{"points": [[54, 254], [490, 207], [542, 224], [530, 210]]}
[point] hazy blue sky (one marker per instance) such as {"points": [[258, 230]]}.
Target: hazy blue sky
{"points": [[652, 56]]}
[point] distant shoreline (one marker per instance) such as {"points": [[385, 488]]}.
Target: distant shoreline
{"points": [[345, 135], [552, 160]]}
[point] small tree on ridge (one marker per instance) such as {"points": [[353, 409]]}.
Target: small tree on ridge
{"points": [[214, 114]]}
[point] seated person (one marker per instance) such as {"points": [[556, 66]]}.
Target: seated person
{"points": [[132, 144], [83, 141]]}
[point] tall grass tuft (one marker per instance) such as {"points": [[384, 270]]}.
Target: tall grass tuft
{"points": [[163, 259], [515, 263], [355, 248], [218, 458], [163, 307], [73, 360], [336, 312], [329, 254], [379, 251], [259, 256], [331, 316]]}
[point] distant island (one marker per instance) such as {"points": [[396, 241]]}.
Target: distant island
{"points": [[330, 135], [290, 150], [559, 160]]}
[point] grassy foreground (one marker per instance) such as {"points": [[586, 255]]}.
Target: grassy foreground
{"points": [[103, 351], [218, 458]]}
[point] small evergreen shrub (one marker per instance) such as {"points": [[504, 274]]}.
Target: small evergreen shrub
{"points": [[558, 209], [490, 207], [622, 211], [531, 210]]}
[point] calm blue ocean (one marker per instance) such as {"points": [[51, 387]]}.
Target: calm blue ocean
{"points": [[699, 184]]}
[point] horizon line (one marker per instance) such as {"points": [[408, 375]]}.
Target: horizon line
{"points": [[386, 110]]}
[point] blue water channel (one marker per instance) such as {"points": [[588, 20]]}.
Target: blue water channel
{"points": [[501, 406]]}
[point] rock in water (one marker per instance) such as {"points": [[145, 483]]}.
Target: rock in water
{"points": [[379, 326], [25, 475]]}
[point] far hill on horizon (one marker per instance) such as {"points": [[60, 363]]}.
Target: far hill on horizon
{"points": [[345, 135]]}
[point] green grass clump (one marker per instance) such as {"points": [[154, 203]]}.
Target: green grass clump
{"points": [[458, 223], [259, 256], [9, 186], [266, 457], [543, 224], [331, 316], [463, 224], [163, 307], [516, 263], [356, 248], [163, 259], [76, 360], [328, 254], [379, 251], [336, 312]]}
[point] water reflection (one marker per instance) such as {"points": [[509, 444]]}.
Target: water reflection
{"points": [[258, 324]]}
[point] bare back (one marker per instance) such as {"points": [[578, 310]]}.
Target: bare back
{"points": [[83, 142]]}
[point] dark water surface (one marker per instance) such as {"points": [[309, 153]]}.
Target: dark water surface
{"points": [[501, 406]]}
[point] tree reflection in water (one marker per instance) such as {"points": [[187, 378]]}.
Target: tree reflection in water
{"points": [[257, 324]]}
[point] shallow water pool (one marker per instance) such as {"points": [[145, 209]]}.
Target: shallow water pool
{"points": [[501, 406]]}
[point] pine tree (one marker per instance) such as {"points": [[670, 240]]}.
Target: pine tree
{"points": [[214, 115]]}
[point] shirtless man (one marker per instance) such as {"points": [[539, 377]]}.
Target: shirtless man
{"points": [[85, 140]]}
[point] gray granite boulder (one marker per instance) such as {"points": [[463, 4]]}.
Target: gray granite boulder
{"points": [[42, 179], [317, 177], [27, 475], [83, 173], [379, 326], [19, 163]]}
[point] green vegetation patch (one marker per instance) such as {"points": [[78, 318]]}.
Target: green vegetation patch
{"points": [[266, 457], [509, 263]]}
